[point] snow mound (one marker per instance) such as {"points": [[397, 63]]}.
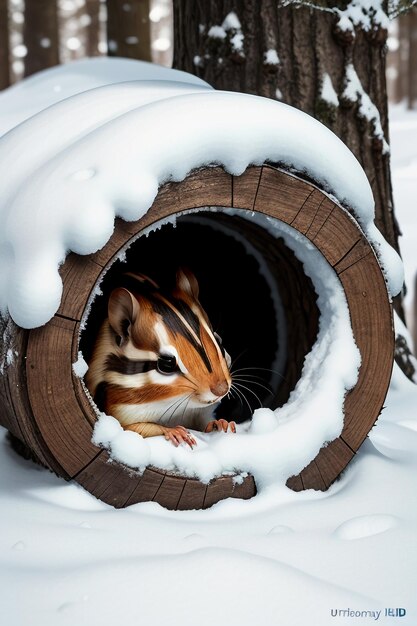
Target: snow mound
{"points": [[50, 86], [103, 152], [366, 526]]}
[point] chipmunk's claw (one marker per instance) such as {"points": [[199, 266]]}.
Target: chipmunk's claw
{"points": [[179, 434], [220, 425]]}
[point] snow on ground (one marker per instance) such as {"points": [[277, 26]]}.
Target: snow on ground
{"points": [[403, 130], [280, 558]]}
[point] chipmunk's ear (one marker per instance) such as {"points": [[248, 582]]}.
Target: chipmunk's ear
{"points": [[123, 309], [187, 282]]}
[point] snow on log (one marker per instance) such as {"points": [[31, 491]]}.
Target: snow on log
{"points": [[318, 202]]}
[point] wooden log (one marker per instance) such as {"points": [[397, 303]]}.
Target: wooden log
{"points": [[44, 403], [58, 415]]}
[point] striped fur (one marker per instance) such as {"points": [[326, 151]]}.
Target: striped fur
{"points": [[144, 326]]}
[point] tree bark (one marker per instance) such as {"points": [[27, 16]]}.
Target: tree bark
{"points": [[412, 59], [128, 29], [40, 35], [310, 63], [92, 8], [4, 45]]}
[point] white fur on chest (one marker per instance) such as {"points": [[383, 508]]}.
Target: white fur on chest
{"points": [[167, 413]]}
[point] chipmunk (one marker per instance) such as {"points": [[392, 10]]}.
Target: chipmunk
{"points": [[157, 366]]}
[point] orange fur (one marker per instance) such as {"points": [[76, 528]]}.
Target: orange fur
{"points": [[197, 386]]}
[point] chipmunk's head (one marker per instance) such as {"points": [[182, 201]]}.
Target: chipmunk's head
{"points": [[164, 345]]}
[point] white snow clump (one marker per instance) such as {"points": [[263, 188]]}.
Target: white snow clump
{"points": [[133, 137]]}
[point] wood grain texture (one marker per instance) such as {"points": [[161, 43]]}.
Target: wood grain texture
{"points": [[372, 327], [192, 496], [312, 478], [78, 273], [280, 195], [323, 212], [244, 490], [146, 487], [17, 408], [336, 236], [295, 483], [332, 460], [170, 491], [206, 187], [9, 390], [51, 394], [360, 250], [245, 188], [308, 211], [226, 487], [110, 482], [217, 490]]}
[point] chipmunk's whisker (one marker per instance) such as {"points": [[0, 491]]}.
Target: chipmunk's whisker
{"points": [[234, 396], [265, 369], [177, 407], [186, 406], [238, 357], [250, 391], [249, 375], [170, 407], [244, 397], [253, 382]]}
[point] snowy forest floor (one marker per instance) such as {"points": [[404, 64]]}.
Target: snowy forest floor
{"points": [[281, 558]]}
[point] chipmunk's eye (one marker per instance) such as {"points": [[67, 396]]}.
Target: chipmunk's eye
{"points": [[167, 364]]}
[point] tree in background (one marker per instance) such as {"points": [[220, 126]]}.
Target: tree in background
{"points": [[4, 45], [408, 24], [324, 57], [402, 59], [40, 35], [129, 29], [92, 8]]}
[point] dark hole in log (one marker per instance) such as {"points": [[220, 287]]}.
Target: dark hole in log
{"points": [[253, 288]]}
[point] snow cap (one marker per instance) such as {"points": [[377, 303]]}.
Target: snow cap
{"points": [[92, 154]]}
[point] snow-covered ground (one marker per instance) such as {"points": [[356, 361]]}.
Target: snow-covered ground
{"points": [[347, 556], [281, 558]]}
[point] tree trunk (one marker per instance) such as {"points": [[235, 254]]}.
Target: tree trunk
{"points": [[92, 8], [128, 29], [4, 46], [40, 35], [302, 57], [412, 59], [404, 65]]}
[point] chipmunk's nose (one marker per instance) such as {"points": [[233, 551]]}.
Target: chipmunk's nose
{"points": [[219, 389]]}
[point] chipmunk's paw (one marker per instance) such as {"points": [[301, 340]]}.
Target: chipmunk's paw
{"points": [[221, 425], [179, 434]]}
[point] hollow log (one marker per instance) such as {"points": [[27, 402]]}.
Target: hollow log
{"points": [[45, 405]]}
